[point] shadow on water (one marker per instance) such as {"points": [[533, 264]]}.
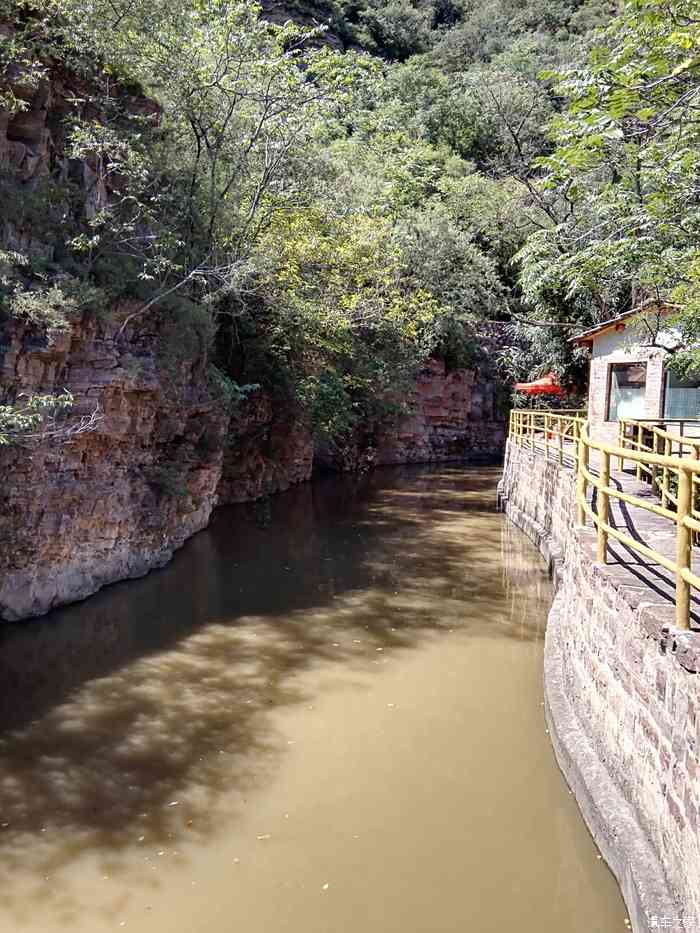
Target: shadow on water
{"points": [[126, 718]]}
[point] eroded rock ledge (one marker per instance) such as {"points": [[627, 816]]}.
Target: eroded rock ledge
{"points": [[622, 703]]}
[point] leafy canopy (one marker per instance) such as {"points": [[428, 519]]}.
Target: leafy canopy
{"points": [[625, 174]]}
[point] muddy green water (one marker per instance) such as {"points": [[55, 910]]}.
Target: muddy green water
{"points": [[325, 716]]}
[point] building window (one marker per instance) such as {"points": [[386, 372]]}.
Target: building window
{"points": [[628, 384], [682, 398]]}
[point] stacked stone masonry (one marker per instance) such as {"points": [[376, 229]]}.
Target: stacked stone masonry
{"points": [[622, 702]]}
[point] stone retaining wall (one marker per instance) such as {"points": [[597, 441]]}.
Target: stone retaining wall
{"points": [[622, 704]]}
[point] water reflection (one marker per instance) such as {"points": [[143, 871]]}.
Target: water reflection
{"points": [[143, 717]]}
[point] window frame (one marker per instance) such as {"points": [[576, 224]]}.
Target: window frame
{"points": [[665, 385], [608, 394]]}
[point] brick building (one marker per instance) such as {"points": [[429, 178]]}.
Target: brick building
{"points": [[628, 376]]}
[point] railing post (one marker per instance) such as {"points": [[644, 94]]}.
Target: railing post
{"points": [[664, 491], [560, 435], [603, 506], [683, 546], [546, 437], [640, 436], [694, 455], [621, 432], [581, 481], [654, 450]]}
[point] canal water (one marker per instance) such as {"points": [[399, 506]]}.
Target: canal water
{"points": [[324, 716]]}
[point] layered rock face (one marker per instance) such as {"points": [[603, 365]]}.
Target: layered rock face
{"points": [[111, 503], [454, 417], [267, 451], [81, 511], [33, 145], [78, 512]]}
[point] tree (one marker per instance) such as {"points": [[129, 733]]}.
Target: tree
{"points": [[625, 174], [322, 222], [192, 185]]}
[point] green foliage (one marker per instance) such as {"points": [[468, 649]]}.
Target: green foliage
{"points": [[625, 174], [396, 29], [21, 70], [311, 222], [350, 321], [49, 307], [32, 416], [227, 389], [528, 35]]}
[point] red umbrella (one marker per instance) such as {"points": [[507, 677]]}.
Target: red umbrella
{"points": [[547, 385]]}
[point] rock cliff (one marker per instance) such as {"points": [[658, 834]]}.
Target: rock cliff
{"points": [[115, 502], [450, 414], [268, 449], [454, 417], [112, 503]]}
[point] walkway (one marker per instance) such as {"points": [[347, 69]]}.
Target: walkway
{"points": [[626, 566]]}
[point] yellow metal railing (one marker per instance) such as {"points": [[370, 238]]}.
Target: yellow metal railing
{"points": [[674, 473], [548, 431], [667, 438]]}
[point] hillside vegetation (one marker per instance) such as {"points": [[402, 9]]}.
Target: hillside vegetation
{"points": [[328, 194]]}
